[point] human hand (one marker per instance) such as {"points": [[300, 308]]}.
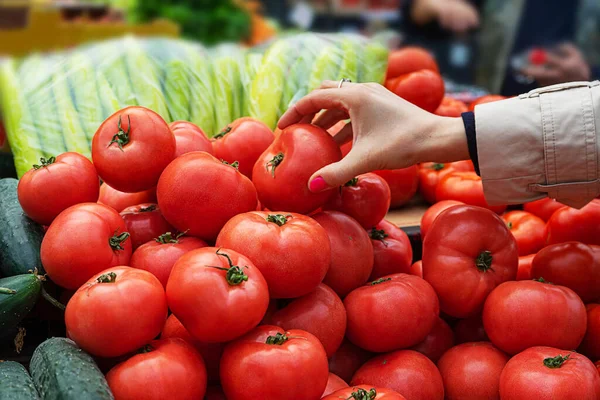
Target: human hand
{"points": [[387, 131], [457, 16], [566, 64]]}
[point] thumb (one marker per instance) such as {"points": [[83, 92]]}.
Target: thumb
{"points": [[337, 174]]}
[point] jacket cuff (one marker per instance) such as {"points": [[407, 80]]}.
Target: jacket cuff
{"points": [[471, 132]]}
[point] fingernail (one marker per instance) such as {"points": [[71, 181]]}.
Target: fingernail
{"points": [[318, 185]]}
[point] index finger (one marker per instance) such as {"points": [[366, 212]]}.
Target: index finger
{"points": [[315, 101]]}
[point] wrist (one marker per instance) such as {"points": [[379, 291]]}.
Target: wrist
{"points": [[448, 141]]}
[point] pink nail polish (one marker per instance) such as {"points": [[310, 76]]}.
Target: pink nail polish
{"points": [[318, 185]]}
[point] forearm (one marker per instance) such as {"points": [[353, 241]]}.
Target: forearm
{"points": [[422, 11]]}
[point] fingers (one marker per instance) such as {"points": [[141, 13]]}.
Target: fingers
{"points": [[336, 174], [330, 117], [335, 85], [344, 135], [541, 73], [314, 102]]}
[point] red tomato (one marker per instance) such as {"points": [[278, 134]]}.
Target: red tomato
{"points": [[131, 149], [451, 108], [334, 130], [407, 372], [409, 59], [590, 346], [598, 366], [392, 252], [321, 312], [57, 184], [403, 184], [172, 362], [116, 312], [334, 383], [282, 172], [549, 373], [351, 252], [466, 187], [570, 224], [543, 208], [437, 341], [490, 98], [121, 200], [417, 269], [467, 253], [572, 264], [372, 327], [470, 330], [430, 174], [291, 251], [347, 359], [283, 365], [423, 88], [83, 240], [553, 316], [472, 371], [144, 223], [364, 392], [210, 352], [527, 229], [525, 265], [432, 213], [189, 137], [244, 140], [158, 256], [365, 198], [198, 194]]}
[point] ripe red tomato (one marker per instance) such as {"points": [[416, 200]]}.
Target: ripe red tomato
{"points": [[334, 383], [351, 252], [451, 108], [198, 194], [525, 265], [144, 223], [392, 252], [430, 174], [158, 256], [372, 327], [83, 240], [403, 184], [409, 59], [466, 187], [365, 198], [490, 98], [131, 149], [283, 365], [543, 208], [470, 330], [407, 372], [321, 312], [347, 360], [572, 264], [364, 392], [549, 373], [417, 269], [437, 341], [189, 137], [467, 252], [423, 88], [121, 200], [570, 224], [244, 140], [472, 371], [590, 346], [172, 362], [116, 312], [291, 251], [527, 229], [554, 316], [432, 213], [56, 184], [282, 172]]}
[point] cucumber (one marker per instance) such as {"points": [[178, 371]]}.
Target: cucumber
{"points": [[18, 295], [15, 382], [62, 371], [20, 237]]}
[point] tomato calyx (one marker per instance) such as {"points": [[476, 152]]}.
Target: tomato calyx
{"points": [[274, 163], [378, 234], [542, 280], [437, 166], [362, 394], [380, 280], [168, 237], [278, 219], [556, 362], [484, 261], [351, 182], [222, 133], [121, 138], [235, 274], [278, 339], [116, 240], [234, 164], [111, 277], [146, 349], [149, 208], [509, 225], [44, 162]]}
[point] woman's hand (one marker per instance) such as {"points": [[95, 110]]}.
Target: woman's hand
{"points": [[387, 131]]}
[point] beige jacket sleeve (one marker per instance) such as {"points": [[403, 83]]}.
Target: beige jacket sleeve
{"points": [[542, 143]]}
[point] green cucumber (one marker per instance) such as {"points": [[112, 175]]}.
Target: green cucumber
{"points": [[18, 295], [62, 371], [15, 382]]}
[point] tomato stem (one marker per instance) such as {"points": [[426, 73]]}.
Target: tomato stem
{"points": [[278, 219], [44, 162], [151, 207], [362, 394], [380, 280], [116, 240], [484, 261], [556, 362], [234, 164], [437, 166], [509, 224], [121, 138], [169, 238], [352, 182], [378, 234], [542, 280], [278, 339], [274, 163], [146, 349], [235, 274], [111, 277], [222, 133]]}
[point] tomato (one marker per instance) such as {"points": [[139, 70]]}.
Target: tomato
{"points": [[282, 172], [549, 373], [351, 252], [543, 208], [334, 383], [291, 251], [553, 316], [347, 359], [590, 346], [198, 194], [392, 251], [372, 326], [83, 240], [472, 371], [430, 174], [244, 140], [598, 366], [144, 223], [116, 312], [407, 372], [432, 213], [121, 200], [364, 392], [423, 88], [409, 59], [470, 330], [158, 256], [437, 341], [210, 352], [451, 108], [189, 137], [417, 269], [217, 294], [57, 184], [570, 224], [365, 198], [524, 269], [490, 98], [572, 264], [466, 187], [403, 184], [172, 362], [321, 312], [527, 229], [467, 252], [131, 149], [283, 365]]}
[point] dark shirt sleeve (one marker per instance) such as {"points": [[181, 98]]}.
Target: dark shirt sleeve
{"points": [[469, 121]]}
